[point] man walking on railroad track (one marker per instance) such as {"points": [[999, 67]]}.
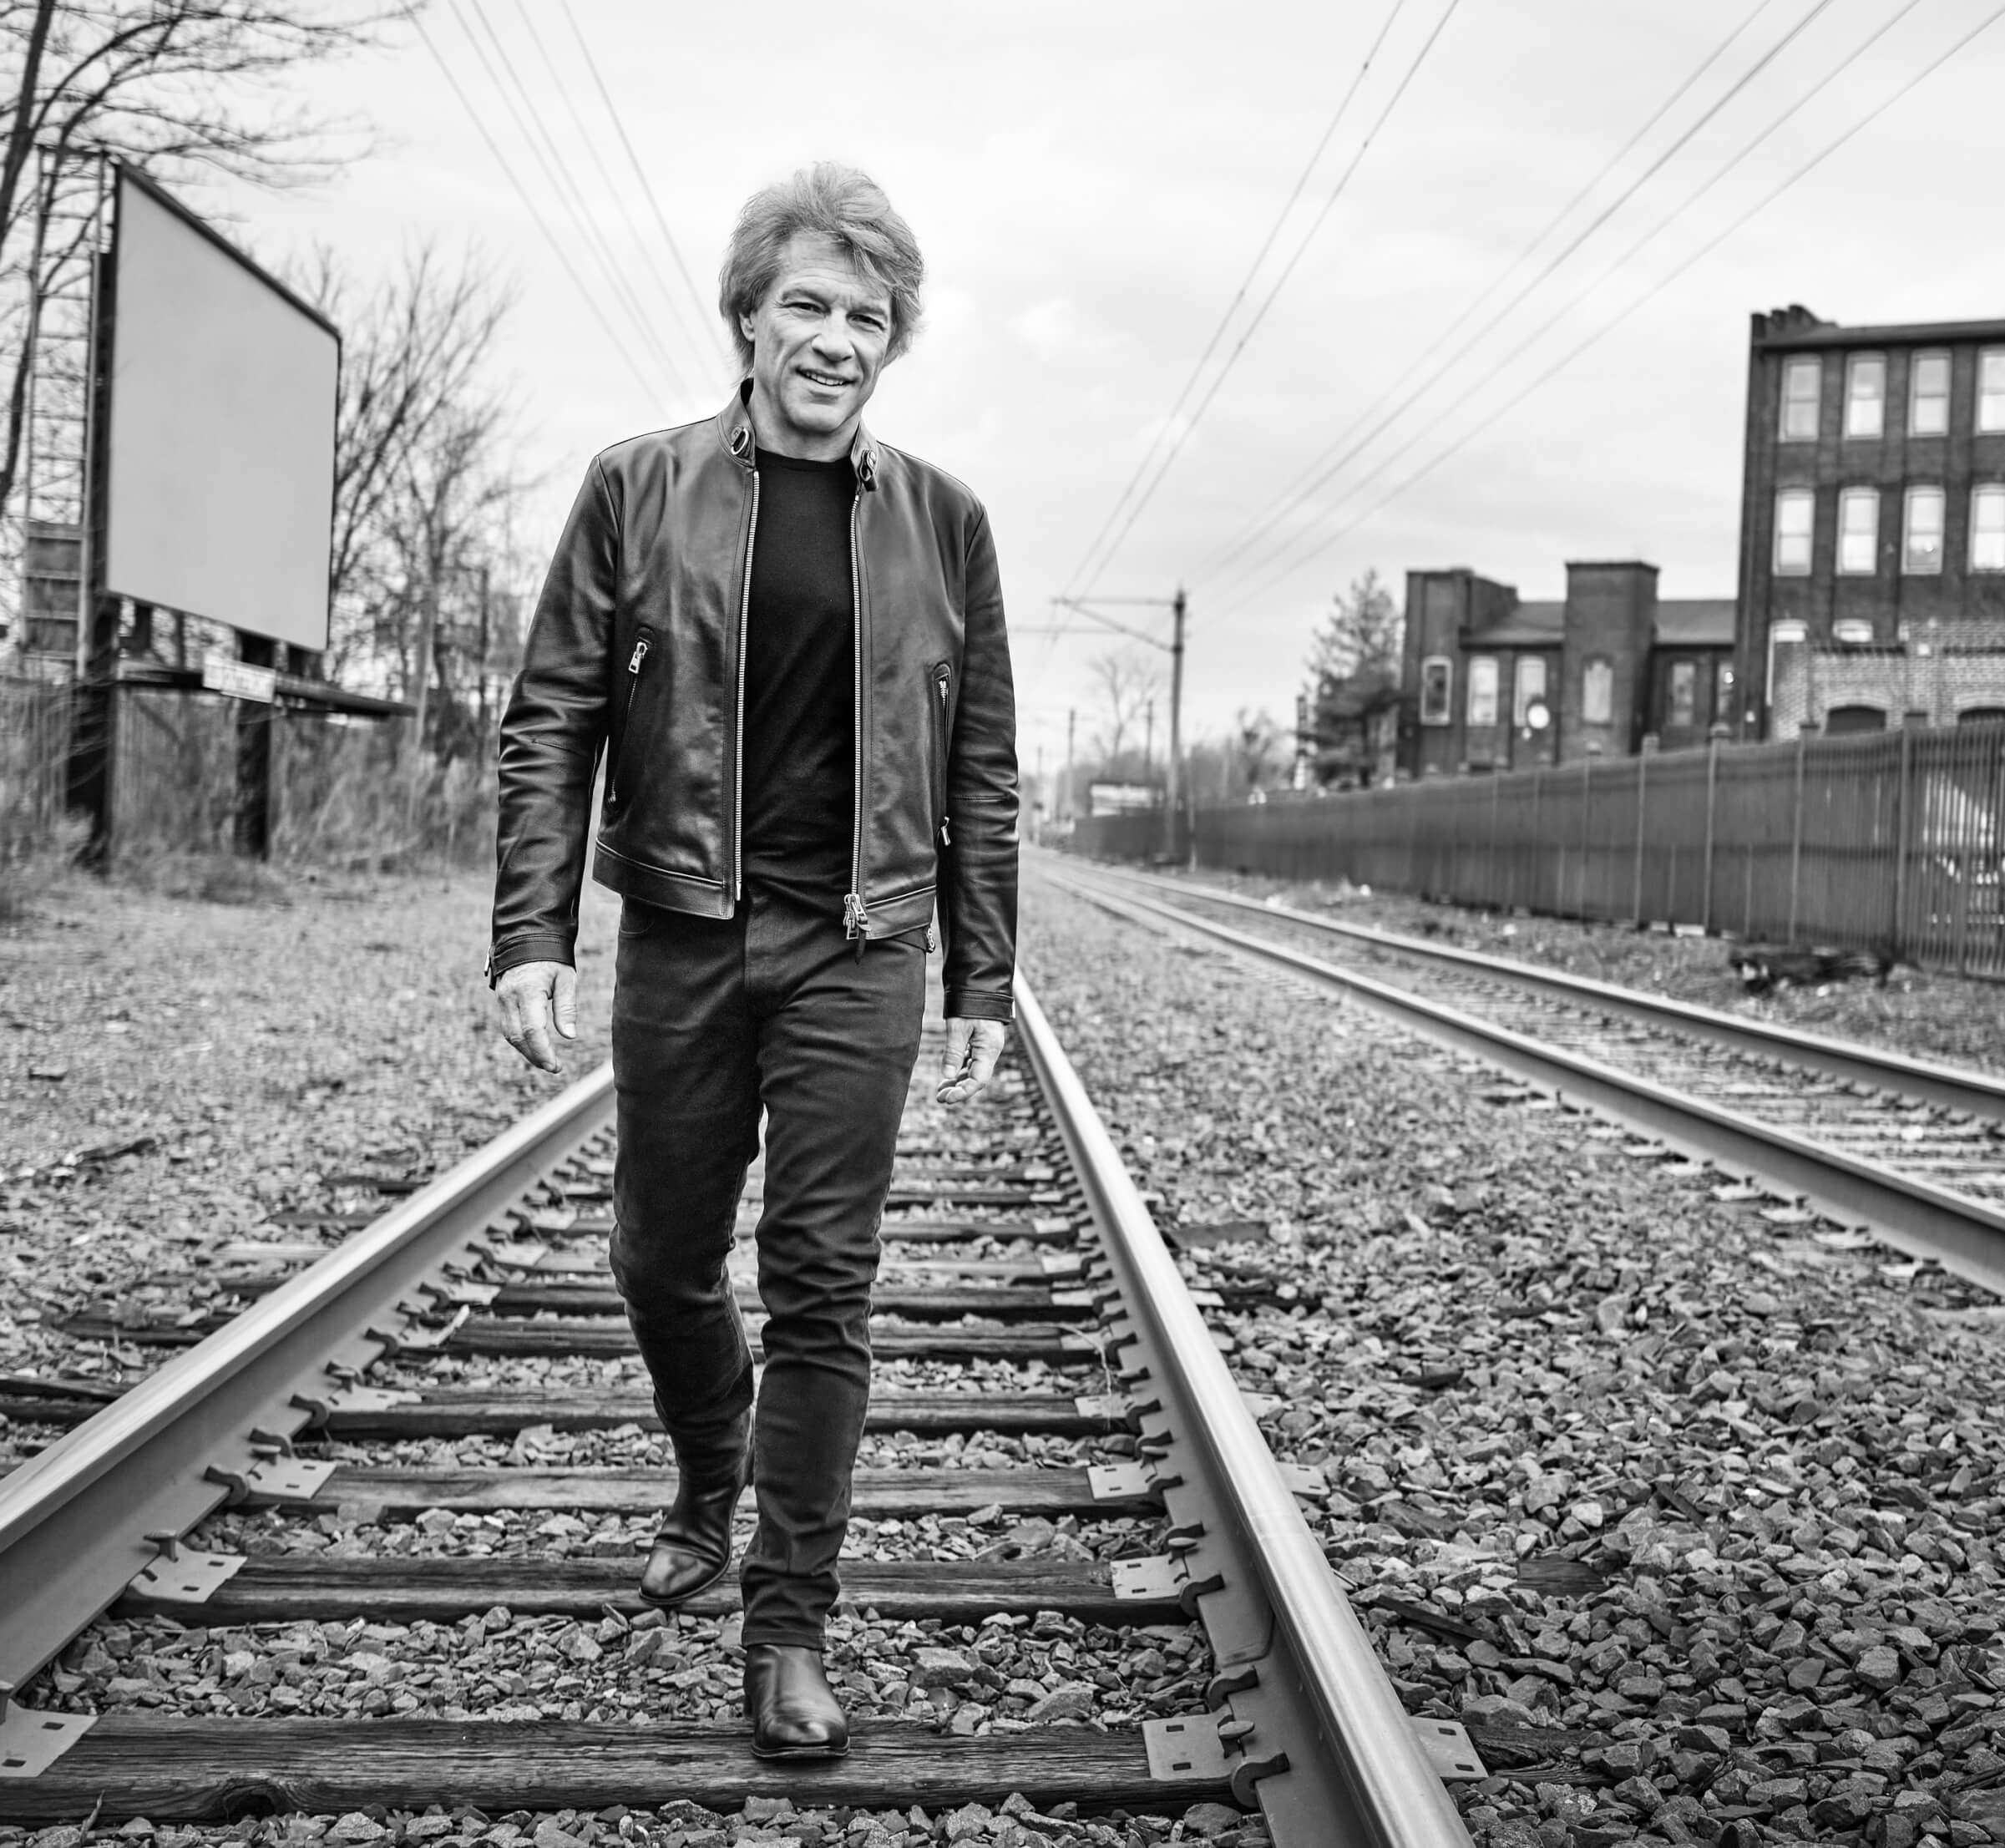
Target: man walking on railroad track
{"points": [[787, 639]]}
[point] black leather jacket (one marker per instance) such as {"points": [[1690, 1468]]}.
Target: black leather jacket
{"points": [[638, 647]]}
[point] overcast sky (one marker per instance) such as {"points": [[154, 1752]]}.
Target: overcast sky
{"points": [[1091, 181]]}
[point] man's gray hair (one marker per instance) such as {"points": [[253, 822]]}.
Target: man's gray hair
{"points": [[836, 202]]}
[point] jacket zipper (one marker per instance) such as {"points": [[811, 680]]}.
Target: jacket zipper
{"points": [[856, 913], [943, 677], [737, 813], [626, 717]]}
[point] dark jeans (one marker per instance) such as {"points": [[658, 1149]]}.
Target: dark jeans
{"points": [[711, 1022]]}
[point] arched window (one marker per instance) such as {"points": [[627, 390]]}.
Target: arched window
{"points": [[1981, 714], [1437, 691], [1598, 692], [1530, 688], [1844, 720], [1482, 690], [1681, 706]]}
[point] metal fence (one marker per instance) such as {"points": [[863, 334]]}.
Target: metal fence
{"points": [[1891, 842]]}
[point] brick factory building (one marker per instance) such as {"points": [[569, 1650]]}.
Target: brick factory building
{"points": [[1873, 548], [1494, 682]]}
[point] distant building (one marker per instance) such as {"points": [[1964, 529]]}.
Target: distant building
{"points": [[1493, 682], [1872, 546]]}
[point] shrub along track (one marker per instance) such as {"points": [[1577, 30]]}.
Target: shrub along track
{"points": [[408, 1484]]}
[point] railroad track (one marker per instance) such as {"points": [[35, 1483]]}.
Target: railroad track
{"points": [[265, 1504], [1896, 1148]]}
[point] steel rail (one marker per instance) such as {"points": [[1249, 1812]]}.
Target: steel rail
{"points": [[1979, 1093], [77, 1522], [1962, 1234], [1331, 1756]]}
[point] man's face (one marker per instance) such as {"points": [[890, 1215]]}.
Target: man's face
{"points": [[818, 342]]}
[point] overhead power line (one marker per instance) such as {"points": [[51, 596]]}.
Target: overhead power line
{"points": [[1280, 281], [1308, 478], [1648, 295], [703, 335], [1232, 307], [542, 144], [1679, 143], [668, 236], [624, 348]]}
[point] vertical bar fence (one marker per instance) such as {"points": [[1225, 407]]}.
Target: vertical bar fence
{"points": [[1892, 841]]}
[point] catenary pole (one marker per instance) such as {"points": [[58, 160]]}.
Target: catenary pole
{"points": [[1174, 782]]}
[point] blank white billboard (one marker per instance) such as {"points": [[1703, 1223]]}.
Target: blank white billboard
{"points": [[219, 467]]}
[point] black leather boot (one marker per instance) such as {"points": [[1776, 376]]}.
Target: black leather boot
{"points": [[793, 1710], [693, 1547]]}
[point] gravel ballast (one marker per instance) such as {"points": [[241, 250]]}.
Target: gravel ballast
{"points": [[1925, 1013], [1691, 1513]]}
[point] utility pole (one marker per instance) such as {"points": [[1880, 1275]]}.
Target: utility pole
{"points": [[1174, 781], [1148, 742], [1178, 605], [483, 657], [1071, 733]]}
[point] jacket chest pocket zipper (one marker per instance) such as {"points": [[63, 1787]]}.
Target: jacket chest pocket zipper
{"points": [[943, 683], [635, 661]]}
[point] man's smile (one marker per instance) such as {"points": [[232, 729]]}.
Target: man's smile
{"points": [[829, 379]]}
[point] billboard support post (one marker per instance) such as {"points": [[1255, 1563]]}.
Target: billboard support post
{"points": [[254, 722], [93, 741]]}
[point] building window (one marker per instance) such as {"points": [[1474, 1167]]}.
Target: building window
{"points": [[1858, 531], [1991, 389], [1437, 691], [1928, 395], [1987, 527], [1853, 632], [1597, 692], [1795, 522], [1865, 395], [1682, 708], [1482, 690], [1921, 549], [1801, 378], [1530, 688]]}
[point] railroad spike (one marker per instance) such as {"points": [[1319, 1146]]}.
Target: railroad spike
{"points": [[167, 1540]]}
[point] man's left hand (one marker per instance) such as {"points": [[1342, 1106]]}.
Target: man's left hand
{"points": [[969, 1063]]}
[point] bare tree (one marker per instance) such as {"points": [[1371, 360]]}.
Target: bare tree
{"points": [[445, 522], [172, 86], [1124, 682], [411, 359], [1255, 745]]}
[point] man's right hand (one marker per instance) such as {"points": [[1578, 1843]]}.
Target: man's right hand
{"points": [[535, 997]]}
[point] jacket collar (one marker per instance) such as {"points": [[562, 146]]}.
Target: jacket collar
{"points": [[734, 432]]}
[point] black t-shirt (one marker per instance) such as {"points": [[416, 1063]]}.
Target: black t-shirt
{"points": [[800, 656]]}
